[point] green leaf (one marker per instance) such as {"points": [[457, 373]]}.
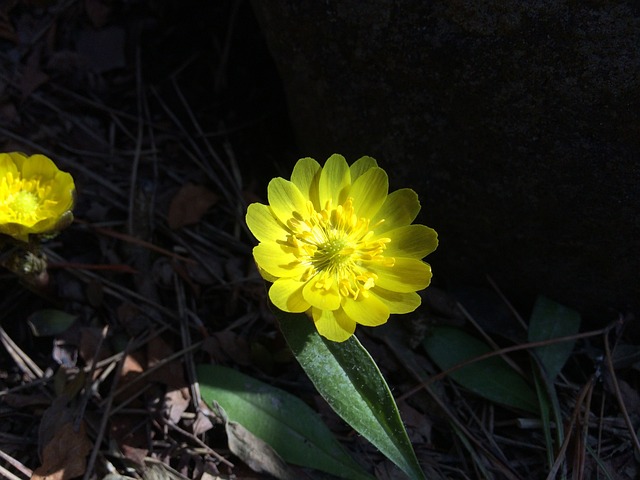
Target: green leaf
{"points": [[282, 420], [547, 399], [551, 320], [350, 381], [49, 322], [491, 378]]}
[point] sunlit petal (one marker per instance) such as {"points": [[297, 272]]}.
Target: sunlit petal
{"points": [[333, 325], [360, 166], [306, 176], [369, 192], [414, 241], [263, 223], [397, 302], [321, 296], [286, 294], [369, 310], [335, 181], [273, 258], [406, 275], [285, 199], [400, 208]]}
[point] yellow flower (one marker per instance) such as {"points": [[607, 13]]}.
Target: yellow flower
{"points": [[335, 244], [35, 197]]}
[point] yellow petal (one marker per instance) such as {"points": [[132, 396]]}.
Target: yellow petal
{"points": [[306, 176], [63, 191], [360, 166], [285, 199], [272, 257], [15, 230], [320, 297], [263, 223], [8, 163], [42, 226], [400, 208], [335, 181], [369, 310], [39, 166], [414, 241], [406, 275], [369, 192], [397, 302], [335, 326], [286, 294], [266, 275]]}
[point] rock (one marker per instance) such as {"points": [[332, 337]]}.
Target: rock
{"points": [[517, 123]]}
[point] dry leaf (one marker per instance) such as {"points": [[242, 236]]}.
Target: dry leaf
{"points": [[132, 366], [176, 403], [98, 12], [202, 422], [189, 205], [136, 455], [418, 425], [226, 345], [256, 453], [170, 374], [125, 430], [64, 457]]}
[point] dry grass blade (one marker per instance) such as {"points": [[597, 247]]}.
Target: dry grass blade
{"points": [[27, 472], [623, 408], [27, 365]]}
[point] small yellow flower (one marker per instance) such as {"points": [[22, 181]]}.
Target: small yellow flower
{"points": [[35, 196], [335, 244]]}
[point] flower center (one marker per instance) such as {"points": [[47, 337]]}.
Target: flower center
{"points": [[336, 246], [21, 199], [23, 203]]}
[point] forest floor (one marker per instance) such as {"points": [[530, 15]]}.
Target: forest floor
{"points": [[171, 120]]}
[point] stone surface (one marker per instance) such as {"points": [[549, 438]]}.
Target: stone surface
{"points": [[516, 122]]}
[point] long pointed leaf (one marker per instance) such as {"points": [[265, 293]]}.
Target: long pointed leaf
{"points": [[552, 320], [491, 378], [350, 381]]}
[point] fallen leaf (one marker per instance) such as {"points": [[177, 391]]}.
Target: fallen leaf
{"points": [[53, 418], [98, 12], [176, 403], [64, 456], [226, 345], [202, 422], [256, 453], [189, 205], [136, 455], [170, 374], [90, 341], [133, 441], [132, 366], [418, 425]]}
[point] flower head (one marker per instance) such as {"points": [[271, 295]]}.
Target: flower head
{"points": [[337, 245], [35, 196]]}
